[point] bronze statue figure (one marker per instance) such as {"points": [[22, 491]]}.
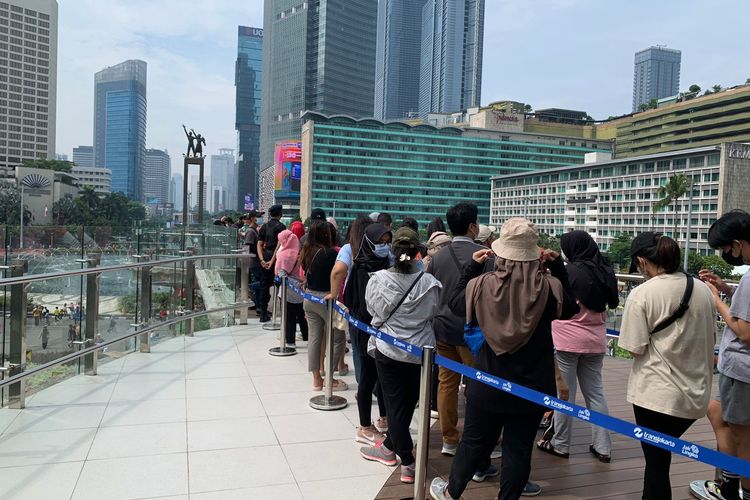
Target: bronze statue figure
{"points": [[191, 138], [200, 141]]}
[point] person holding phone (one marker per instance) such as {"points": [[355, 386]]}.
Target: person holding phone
{"points": [[729, 413], [669, 329]]}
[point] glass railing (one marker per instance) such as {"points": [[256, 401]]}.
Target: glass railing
{"points": [[83, 312], [626, 283]]}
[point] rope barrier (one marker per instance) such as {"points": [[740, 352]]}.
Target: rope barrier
{"points": [[669, 443]]}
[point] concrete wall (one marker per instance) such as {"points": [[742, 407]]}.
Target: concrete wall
{"points": [[734, 189]]}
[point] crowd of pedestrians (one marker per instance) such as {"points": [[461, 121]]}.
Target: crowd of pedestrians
{"points": [[494, 300]]}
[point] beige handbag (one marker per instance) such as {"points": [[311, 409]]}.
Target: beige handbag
{"points": [[339, 321]]}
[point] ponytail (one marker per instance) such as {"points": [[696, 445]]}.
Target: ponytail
{"points": [[665, 254]]}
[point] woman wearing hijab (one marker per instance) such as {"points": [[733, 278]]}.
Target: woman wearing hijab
{"points": [[287, 264], [514, 307], [402, 300], [581, 341], [373, 255]]}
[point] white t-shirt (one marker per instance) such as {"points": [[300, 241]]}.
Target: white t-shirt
{"points": [[673, 368]]}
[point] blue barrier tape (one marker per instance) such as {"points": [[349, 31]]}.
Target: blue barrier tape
{"points": [[644, 434]]}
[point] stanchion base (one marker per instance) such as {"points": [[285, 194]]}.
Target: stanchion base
{"points": [[272, 326], [282, 351], [325, 404]]}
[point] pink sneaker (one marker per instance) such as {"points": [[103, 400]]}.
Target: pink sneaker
{"points": [[368, 435]]}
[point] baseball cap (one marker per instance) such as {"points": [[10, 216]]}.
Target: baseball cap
{"points": [[317, 214], [641, 242]]}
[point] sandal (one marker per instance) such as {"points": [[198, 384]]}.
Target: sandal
{"points": [[546, 446], [339, 385], [344, 371], [546, 421], [600, 456]]}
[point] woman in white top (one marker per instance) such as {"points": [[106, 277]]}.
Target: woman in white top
{"points": [[670, 382]]}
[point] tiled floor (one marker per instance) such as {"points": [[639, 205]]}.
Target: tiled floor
{"points": [[208, 417]]}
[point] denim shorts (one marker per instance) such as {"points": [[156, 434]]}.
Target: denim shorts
{"points": [[735, 400]]}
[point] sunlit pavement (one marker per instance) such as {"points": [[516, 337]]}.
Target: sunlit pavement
{"points": [[212, 416]]}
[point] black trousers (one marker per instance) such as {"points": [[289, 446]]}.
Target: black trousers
{"points": [[266, 283], [255, 285], [481, 433], [295, 315], [399, 382], [656, 484], [368, 385]]}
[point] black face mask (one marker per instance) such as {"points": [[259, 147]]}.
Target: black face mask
{"points": [[732, 260]]}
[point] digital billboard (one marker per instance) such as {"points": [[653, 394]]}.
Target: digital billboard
{"points": [[287, 169]]}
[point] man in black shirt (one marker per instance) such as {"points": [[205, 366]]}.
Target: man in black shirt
{"points": [[251, 239], [268, 240]]}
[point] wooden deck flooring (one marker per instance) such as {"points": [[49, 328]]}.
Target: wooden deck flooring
{"points": [[581, 476]]}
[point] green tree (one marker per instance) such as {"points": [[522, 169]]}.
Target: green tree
{"points": [[549, 241], [694, 89], [619, 251], [716, 265], [747, 82], [695, 261], [717, 88], [66, 211], [10, 207], [57, 165], [670, 194], [652, 104], [527, 108]]}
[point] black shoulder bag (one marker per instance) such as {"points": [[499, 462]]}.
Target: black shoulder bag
{"points": [[681, 309], [403, 298]]}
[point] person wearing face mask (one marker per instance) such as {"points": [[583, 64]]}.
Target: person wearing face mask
{"points": [[729, 413], [668, 325], [372, 256], [448, 266]]}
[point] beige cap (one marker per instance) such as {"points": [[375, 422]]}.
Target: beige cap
{"points": [[485, 232], [518, 241]]}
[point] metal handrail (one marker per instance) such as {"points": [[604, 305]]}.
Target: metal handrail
{"points": [[89, 350], [117, 267]]}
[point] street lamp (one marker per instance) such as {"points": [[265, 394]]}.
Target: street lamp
{"points": [[20, 245], [689, 226]]}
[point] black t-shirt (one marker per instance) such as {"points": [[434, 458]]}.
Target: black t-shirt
{"points": [[269, 233], [318, 274]]}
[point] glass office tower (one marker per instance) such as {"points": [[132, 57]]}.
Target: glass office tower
{"points": [[248, 79], [656, 75], [317, 55], [120, 124], [451, 60]]}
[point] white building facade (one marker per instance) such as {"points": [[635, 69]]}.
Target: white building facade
{"points": [[28, 80], [613, 197]]}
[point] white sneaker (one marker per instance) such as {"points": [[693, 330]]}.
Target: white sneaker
{"points": [[449, 450]]}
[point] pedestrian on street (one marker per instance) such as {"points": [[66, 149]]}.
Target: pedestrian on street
{"points": [[268, 240], [44, 336]]}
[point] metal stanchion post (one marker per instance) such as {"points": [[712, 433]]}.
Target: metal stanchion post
{"points": [[274, 324], [328, 401], [423, 432], [282, 350]]}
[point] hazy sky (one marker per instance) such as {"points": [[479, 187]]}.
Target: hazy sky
{"points": [[574, 54]]}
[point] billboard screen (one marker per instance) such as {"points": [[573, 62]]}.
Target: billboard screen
{"points": [[287, 169], [249, 202]]}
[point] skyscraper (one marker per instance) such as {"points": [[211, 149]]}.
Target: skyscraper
{"points": [[656, 74], [28, 77], [177, 193], [120, 124], [223, 180], [399, 49], [247, 80], [83, 156], [156, 176], [451, 62], [318, 55]]}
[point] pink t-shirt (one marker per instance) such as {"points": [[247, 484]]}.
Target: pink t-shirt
{"points": [[584, 333]]}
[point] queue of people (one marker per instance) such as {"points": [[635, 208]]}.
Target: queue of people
{"points": [[529, 315]]}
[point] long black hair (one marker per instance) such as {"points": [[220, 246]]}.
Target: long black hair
{"points": [[318, 238]]}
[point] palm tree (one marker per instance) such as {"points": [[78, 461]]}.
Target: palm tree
{"points": [[670, 194]]}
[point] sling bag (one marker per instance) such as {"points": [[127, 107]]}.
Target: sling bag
{"points": [[681, 309]]}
